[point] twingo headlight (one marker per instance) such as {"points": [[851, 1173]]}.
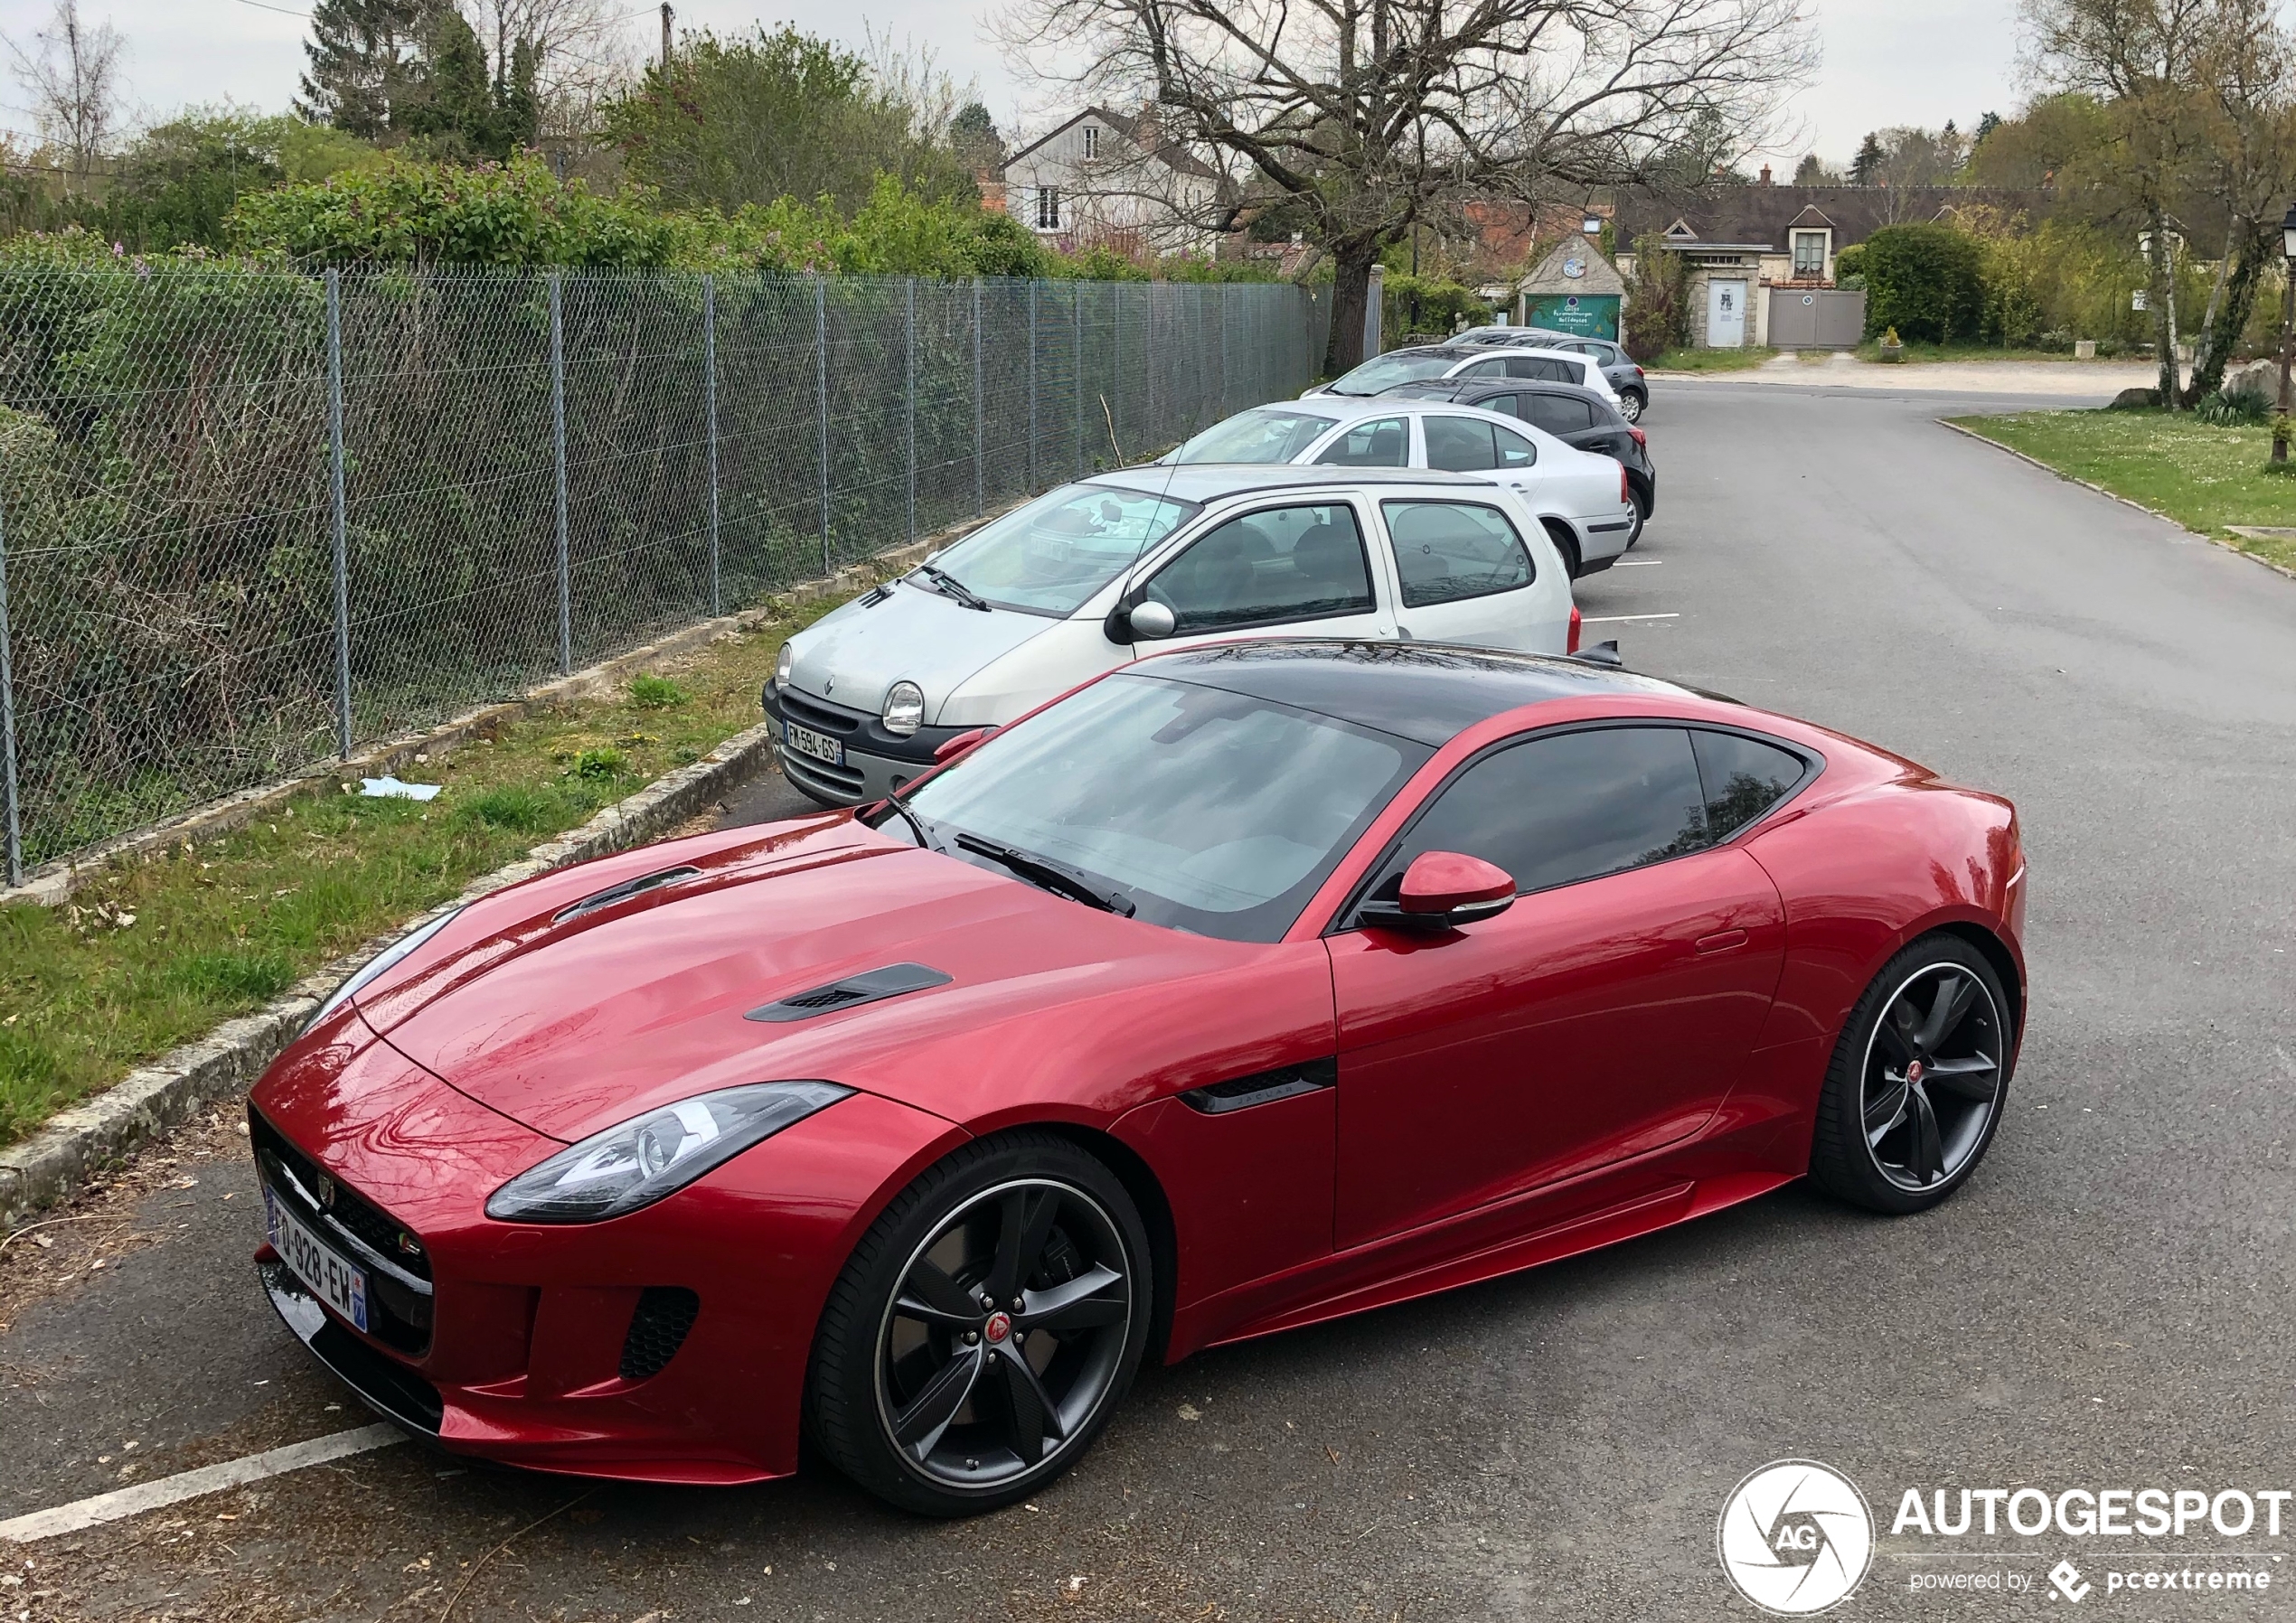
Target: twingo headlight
{"points": [[381, 961], [785, 664], [649, 1157], [904, 709]]}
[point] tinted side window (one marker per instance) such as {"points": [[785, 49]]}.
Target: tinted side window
{"points": [[1743, 779], [1383, 443], [1286, 563], [1504, 404], [1569, 806], [1514, 450], [1486, 368], [1461, 443], [1448, 550], [1559, 414]]}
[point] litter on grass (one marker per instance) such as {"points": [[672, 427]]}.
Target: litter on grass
{"points": [[392, 789]]}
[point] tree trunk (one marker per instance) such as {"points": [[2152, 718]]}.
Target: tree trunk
{"points": [[2230, 316], [2160, 289], [1352, 265]]}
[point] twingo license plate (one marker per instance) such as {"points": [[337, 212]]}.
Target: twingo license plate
{"points": [[336, 1282], [820, 746]]}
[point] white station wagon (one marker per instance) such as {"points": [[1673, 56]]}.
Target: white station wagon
{"points": [[1094, 574]]}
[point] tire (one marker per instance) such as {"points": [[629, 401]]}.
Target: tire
{"points": [[1901, 1139], [1641, 517], [1631, 404], [1566, 543], [901, 1401]]}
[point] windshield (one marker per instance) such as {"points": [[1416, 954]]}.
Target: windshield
{"points": [[1405, 366], [1052, 555], [1265, 434], [1207, 811]]}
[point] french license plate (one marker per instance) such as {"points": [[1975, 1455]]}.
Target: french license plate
{"points": [[820, 746], [338, 1283]]}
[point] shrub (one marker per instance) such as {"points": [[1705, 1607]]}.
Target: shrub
{"points": [[1657, 300], [603, 762], [1924, 280], [655, 692], [2236, 409]]}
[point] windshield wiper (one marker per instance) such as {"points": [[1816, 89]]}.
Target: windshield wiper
{"points": [[1049, 873], [900, 805], [950, 586]]}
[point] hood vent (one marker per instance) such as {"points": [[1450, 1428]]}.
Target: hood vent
{"points": [[622, 892], [853, 991]]}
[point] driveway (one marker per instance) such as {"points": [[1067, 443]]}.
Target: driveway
{"points": [[2056, 382], [2106, 1305]]}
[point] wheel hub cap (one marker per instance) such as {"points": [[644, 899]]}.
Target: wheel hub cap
{"points": [[999, 1326]]}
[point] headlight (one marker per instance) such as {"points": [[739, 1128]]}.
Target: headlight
{"points": [[381, 961], [904, 709], [637, 1163], [783, 666]]}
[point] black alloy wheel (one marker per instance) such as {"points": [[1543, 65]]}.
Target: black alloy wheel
{"points": [[1630, 404], [1914, 1096], [984, 1329], [1641, 516]]}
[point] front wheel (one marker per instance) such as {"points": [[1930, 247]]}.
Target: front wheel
{"points": [[1913, 1095], [983, 1329], [1631, 405]]}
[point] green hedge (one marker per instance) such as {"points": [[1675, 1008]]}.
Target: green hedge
{"points": [[1924, 280]]}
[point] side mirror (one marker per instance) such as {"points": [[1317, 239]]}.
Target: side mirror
{"points": [[1152, 620], [1444, 891], [948, 749]]}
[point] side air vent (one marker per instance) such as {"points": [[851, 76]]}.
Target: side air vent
{"points": [[1263, 1087], [869, 987], [622, 892], [657, 1329]]}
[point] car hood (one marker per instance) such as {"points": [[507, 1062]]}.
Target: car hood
{"points": [[568, 1025], [903, 634]]}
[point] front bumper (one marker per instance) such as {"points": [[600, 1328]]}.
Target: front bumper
{"points": [[549, 1346], [876, 761]]}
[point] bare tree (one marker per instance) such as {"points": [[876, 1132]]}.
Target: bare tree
{"points": [[583, 52], [2246, 114], [72, 77], [1360, 117]]}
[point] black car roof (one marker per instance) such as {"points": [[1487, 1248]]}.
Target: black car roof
{"points": [[1429, 692]]}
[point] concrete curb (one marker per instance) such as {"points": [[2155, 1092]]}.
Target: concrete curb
{"points": [[1985, 439], [149, 1100]]}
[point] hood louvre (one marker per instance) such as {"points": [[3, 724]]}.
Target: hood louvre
{"points": [[622, 892], [868, 987]]}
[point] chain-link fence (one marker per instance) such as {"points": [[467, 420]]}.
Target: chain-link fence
{"points": [[249, 521]]}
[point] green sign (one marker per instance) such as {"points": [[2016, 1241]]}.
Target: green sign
{"points": [[1584, 315]]}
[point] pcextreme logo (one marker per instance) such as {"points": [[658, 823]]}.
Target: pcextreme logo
{"points": [[1795, 1537]]}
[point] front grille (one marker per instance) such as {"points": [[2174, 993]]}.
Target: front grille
{"points": [[350, 1210], [819, 777], [657, 1329], [391, 1390], [819, 714]]}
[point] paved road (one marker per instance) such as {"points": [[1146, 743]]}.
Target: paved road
{"points": [[2107, 1305]]}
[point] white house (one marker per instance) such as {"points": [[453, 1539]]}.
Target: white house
{"points": [[1105, 178]]}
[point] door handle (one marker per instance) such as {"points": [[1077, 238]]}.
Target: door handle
{"points": [[1721, 942]]}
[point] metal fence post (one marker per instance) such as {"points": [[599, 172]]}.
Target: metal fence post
{"points": [[980, 422], [821, 396], [1076, 370], [1034, 286], [1148, 360], [909, 400], [558, 447], [341, 519], [710, 370], [8, 715]]}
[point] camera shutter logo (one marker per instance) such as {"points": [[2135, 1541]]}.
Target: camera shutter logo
{"points": [[1795, 1537]]}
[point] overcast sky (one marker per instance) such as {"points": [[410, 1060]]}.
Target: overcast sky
{"points": [[1886, 61]]}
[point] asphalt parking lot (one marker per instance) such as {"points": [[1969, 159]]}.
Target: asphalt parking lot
{"points": [[2107, 1305]]}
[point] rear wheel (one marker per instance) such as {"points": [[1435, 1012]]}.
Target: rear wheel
{"points": [[1641, 517], [983, 1329], [1630, 404], [1914, 1096], [1566, 543]]}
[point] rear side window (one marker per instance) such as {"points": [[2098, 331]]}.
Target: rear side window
{"points": [[1545, 368], [1383, 443], [1486, 368], [1514, 450], [1742, 778], [1269, 567], [1559, 414], [1448, 550], [1569, 806], [1461, 443]]}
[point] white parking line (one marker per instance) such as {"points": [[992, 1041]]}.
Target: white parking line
{"points": [[190, 1485], [1638, 563], [1613, 619]]}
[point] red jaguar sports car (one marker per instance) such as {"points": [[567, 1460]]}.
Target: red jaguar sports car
{"points": [[1240, 989]]}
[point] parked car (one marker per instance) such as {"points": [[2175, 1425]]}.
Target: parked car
{"points": [[1430, 362], [1625, 377], [1578, 418], [1100, 572], [1576, 492], [1245, 988]]}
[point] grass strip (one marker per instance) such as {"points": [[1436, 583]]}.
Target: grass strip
{"points": [[150, 956], [1711, 360], [2205, 478]]}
